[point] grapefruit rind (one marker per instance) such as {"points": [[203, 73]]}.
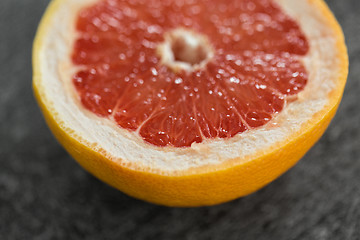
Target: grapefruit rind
{"points": [[204, 174]]}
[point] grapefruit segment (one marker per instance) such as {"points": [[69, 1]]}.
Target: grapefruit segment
{"points": [[174, 121]]}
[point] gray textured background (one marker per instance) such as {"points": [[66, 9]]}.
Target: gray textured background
{"points": [[44, 194]]}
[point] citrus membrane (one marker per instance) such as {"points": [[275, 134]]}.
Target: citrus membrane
{"points": [[243, 66]]}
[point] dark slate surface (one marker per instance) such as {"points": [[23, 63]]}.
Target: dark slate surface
{"points": [[44, 194]]}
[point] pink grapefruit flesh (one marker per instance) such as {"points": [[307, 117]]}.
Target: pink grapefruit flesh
{"points": [[256, 67]]}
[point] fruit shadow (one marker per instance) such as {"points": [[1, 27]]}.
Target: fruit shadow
{"points": [[262, 211]]}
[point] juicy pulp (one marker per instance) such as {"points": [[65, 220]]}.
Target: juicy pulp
{"points": [[255, 68]]}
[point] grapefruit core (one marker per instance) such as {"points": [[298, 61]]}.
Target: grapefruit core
{"points": [[188, 102], [231, 71]]}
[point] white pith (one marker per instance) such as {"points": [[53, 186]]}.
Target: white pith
{"points": [[128, 148], [192, 42]]}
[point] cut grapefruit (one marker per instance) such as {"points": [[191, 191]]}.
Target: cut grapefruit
{"points": [[188, 102]]}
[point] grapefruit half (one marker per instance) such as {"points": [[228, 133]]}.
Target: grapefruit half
{"points": [[188, 102]]}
